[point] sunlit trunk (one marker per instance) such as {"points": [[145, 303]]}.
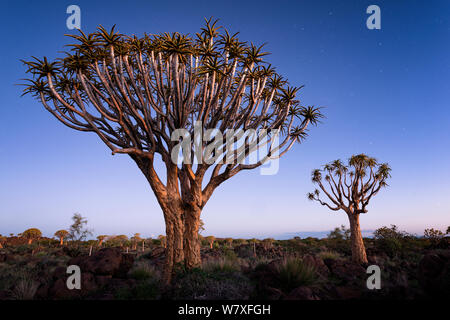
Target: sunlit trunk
{"points": [[174, 241], [357, 243], [192, 242]]}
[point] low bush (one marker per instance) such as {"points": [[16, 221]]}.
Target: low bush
{"points": [[293, 273], [199, 284]]}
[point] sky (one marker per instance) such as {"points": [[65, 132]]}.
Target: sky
{"points": [[386, 93]]}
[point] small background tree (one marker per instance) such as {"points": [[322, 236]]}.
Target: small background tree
{"points": [[350, 188], [135, 240], [100, 239], [210, 240], [31, 234], [434, 235], [2, 241], [78, 231], [61, 235], [341, 233]]}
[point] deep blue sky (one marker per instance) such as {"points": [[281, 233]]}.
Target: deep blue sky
{"points": [[386, 94]]}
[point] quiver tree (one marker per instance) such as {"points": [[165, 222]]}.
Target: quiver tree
{"points": [[2, 241], [163, 240], [350, 188], [229, 242], [210, 240], [61, 235], [135, 239], [100, 239], [135, 93], [268, 243], [121, 240], [31, 234]]}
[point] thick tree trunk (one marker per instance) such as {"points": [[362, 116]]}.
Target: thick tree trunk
{"points": [[30, 241], [358, 249], [174, 240], [191, 241], [61, 241]]}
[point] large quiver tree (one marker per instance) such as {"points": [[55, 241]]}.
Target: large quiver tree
{"points": [[135, 92]]}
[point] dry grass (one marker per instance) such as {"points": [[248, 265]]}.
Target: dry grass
{"points": [[25, 289]]}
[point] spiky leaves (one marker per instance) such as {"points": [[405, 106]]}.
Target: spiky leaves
{"points": [[350, 187], [133, 92]]}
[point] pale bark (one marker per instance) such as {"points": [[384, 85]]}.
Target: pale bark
{"points": [[357, 243], [192, 242]]}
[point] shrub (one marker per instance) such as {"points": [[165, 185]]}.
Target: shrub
{"points": [[223, 265], [389, 233], [293, 273], [328, 254], [143, 271], [145, 290], [24, 289], [41, 254], [391, 240], [202, 285], [341, 233], [433, 234]]}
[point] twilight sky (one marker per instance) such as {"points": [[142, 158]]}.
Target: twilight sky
{"points": [[386, 93]]}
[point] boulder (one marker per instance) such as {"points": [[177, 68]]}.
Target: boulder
{"points": [[107, 261], [317, 263], [348, 292], [302, 293], [59, 290], [345, 270], [434, 273]]}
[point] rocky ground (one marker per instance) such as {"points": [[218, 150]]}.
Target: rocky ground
{"points": [[307, 269]]}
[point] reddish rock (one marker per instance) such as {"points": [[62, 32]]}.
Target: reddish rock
{"points": [[274, 293], [434, 273], [348, 292], [59, 288], [103, 280], [107, 261], [302, 293], [317, 263], [4, 295], [345, 270]]}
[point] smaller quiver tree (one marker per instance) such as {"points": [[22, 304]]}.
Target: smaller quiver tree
{"points": [[350, 188]]}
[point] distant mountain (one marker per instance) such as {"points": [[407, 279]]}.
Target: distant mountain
{"points": [[315, 234]]}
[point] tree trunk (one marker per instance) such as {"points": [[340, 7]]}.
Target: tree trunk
{"points": [[61, 241], [358, 249], [174, 241], [29, 241], [191, 241]]}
